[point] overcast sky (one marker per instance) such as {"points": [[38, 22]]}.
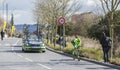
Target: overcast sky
{"points": [[22, 9]]}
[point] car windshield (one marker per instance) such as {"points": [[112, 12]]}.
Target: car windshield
{"points": [[34, 38]]}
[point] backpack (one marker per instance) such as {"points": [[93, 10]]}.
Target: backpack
{"points": [[108, 42]]}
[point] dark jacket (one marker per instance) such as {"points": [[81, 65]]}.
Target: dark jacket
{"points": [[105, 42], [2, 34]]}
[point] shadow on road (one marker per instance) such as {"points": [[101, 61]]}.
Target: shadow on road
{"points": [[17, 51], [10, 51], [4, 64], [99, 68], [72, 62], [68, 62]]}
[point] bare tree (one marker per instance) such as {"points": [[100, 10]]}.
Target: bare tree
{"points": [[109, 7], [48, 11]]}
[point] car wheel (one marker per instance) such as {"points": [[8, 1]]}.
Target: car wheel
{"points": [[22, 49], [43, 51]]}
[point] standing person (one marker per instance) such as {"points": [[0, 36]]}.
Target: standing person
{"points": [[2, 35], [105, 42], [60, 41], [76, 43], [64, 41]]}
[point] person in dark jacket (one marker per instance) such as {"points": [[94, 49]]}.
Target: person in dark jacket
{"points": [[2, 35], [104, 40]]}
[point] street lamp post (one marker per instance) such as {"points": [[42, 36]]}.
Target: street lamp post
{"points": [[7, 12], [3, 8], [5, 22]]}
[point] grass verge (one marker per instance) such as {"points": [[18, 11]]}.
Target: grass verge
{"points": [[85, 52]]}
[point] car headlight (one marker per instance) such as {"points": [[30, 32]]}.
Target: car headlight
{"points": [[27, 44], [43, 44]]}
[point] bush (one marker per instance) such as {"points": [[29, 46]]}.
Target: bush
{"points": [[115, 60], [69, 48], [85, 52], [92, 53]]}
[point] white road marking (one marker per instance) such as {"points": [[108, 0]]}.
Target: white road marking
{"points": [[12, 48], [7, 44], [16, 42], [44, 66], [29, 59], [19, 55]]}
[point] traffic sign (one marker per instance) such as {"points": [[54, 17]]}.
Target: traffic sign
{"points": [[61, 20]]}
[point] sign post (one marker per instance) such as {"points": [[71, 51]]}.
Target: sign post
{"points": [[62, 21]]}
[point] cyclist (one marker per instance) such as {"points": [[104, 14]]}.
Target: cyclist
{"points": [[76, 43]]}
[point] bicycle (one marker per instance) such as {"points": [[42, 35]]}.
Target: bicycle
{"points": [[76, 53]]}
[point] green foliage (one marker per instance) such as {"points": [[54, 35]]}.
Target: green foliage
{"points": [[85, 52], [115, 60], [69, 29], [73, 28], [81, 29], [117, 22], [26, 30], [96, 30], [52, 45], [92, 53], [116, 17], [69, 48]]}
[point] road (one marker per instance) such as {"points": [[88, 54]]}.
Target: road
{"points": [[12, 58]]}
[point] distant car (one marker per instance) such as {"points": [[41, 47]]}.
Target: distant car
{"points": [[33, 44]]}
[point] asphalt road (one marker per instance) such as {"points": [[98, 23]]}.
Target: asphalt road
{"points": [[12, 58]]}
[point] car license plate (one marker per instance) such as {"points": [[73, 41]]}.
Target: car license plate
{"points": [[35, 47]]}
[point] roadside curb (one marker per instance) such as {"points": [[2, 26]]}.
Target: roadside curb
{"points": [[59, 52], [85, 59]]}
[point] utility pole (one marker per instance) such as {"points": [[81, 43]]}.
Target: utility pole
{"points": [[63, 15], [3, 9], [7, 12]]}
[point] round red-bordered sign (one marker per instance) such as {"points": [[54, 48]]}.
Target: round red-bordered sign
{"points": [[61, 20]]}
